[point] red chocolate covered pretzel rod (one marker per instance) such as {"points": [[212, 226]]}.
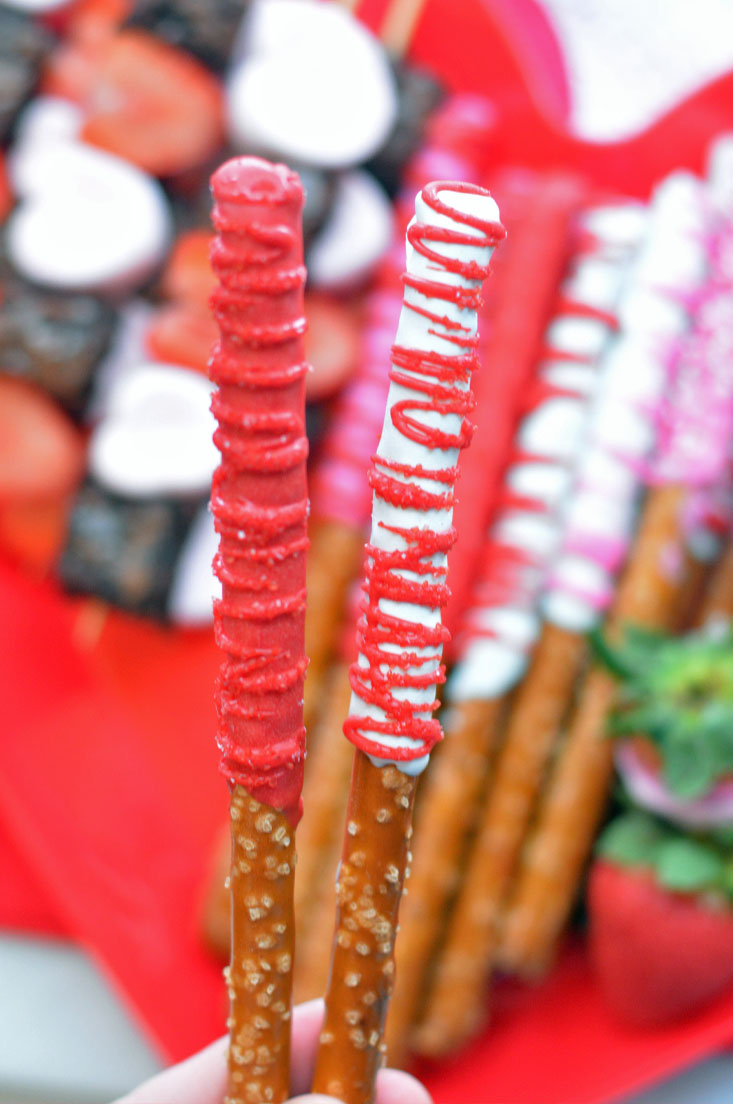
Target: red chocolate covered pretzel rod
{"points": [[400, 634], [259, 503]]}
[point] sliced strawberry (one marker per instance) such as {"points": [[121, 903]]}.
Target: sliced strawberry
{"points": [[658, 955], [188, 276], [41, 451], [41, 462], [32, 534], [332, 344], [182, 334], [6, 195], [154, 105]]}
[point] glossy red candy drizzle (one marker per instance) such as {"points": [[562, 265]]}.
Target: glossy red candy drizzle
{"points": [[259, 493], [440, 383]]}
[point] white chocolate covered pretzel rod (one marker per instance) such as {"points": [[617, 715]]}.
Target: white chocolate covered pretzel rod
{"points": [[400, 634]]}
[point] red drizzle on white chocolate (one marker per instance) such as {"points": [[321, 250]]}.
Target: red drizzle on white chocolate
{"points": [[402, 654], [258, 496]]}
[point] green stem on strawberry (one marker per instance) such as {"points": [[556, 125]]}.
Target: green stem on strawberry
{"points": [[677, 694], [680, 863]]}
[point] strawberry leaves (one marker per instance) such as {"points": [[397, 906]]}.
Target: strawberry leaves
{"points": [[681, 864], [677, 692]]}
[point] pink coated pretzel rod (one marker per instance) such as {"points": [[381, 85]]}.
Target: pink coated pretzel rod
{"points": [[696, 428], [259, 503], [325, 794], [400, 634]]}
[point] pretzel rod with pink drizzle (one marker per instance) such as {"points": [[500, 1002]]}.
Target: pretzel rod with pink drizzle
{"points": [[259, 503], [400, 634], [691, 452]]}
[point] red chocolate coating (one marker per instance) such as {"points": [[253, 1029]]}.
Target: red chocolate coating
{"points": [[259, 494]]}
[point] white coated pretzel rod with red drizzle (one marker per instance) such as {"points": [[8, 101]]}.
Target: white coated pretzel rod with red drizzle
{"points": [[400, 634], [259, 503], [503, 623]]}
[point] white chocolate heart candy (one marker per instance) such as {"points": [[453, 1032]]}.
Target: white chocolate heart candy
{"points": [[357, 233], [195, 586], [156, 438], [311, 85], [87, 221], [43, 122]]}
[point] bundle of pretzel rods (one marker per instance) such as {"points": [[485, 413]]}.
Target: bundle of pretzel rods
{"points": [[260, 510], [611, 509]]}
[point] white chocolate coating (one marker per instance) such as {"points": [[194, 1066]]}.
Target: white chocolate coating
{"points": [[417, 332]]}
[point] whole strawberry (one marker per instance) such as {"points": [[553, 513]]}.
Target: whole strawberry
{"points": [[661, 920]]}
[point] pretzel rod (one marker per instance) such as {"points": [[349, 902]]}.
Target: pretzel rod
{"points": [[334, 558], [717, 602], [696, 574], [325, 792], [577, 790], [400, 635], [455, 1005], [260, 507], [444, 819], [399, 24]]}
